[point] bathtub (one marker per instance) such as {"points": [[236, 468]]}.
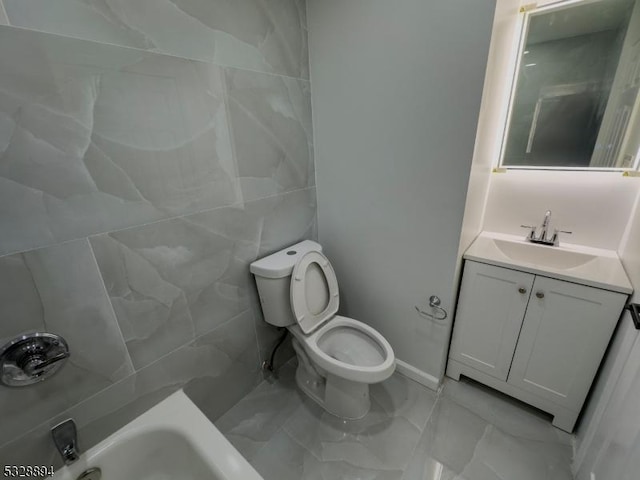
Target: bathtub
{"points": [[173, 440]]}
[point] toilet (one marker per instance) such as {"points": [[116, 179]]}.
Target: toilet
{"points": [[338, 357]]}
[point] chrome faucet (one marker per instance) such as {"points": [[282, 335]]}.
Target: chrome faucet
{"points": [[65, 437], [543, 238], [545, 224]]}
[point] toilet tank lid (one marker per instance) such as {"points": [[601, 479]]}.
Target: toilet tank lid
{"points": [[280, 264]]}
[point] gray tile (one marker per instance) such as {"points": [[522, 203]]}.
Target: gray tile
{"points": [[499, 455], [152, 312], [257, 417], [172, 280], [288, 219], [33, 448], [458, 441], [96, 137], [59, 290], [270, 120], [285, 435], [508, 414], [216, 370], [267, 36], [450, 439], [229, 369], [399, 396], [283, 458], [3, 16], [424, 467], [269, 225], [378, 442]]}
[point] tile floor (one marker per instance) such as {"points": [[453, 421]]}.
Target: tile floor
{"points": [[464, 432]]}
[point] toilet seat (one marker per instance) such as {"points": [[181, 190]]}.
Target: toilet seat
{"points": [[313, 284], [339, 345], [349, 349]]}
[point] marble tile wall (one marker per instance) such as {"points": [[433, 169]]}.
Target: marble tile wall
{"points": [[3, 15], [149, 151], [268, 36]]}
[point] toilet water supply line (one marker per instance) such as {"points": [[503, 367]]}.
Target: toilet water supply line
{"points": [[434, 302], [268, 365]]}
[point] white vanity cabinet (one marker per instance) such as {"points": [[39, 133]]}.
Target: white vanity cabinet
{"points": [[535, 338], [492, 304]]}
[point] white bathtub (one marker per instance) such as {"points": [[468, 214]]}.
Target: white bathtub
{"points": [[173, 440]]}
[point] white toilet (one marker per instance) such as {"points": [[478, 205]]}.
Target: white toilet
{"points": [[338, 357]]}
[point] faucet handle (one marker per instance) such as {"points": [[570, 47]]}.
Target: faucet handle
{"points": [[556, 238], [532, 230]]}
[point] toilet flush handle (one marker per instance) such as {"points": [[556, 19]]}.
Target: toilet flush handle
{"points": [[434, 303]]}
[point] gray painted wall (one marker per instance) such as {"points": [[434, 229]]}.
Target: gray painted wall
{"points": [[135, 189], [396, 93]]}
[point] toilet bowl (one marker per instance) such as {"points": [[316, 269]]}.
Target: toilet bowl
{"points": [[338, 357]]}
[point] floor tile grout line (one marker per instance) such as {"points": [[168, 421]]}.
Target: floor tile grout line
{"points": [[276, 432], [279, 429], [440, 398], [415, 449], [283, 428]]}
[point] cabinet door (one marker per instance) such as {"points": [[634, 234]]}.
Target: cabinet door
{"points": [[491, 308], [564, 335]]}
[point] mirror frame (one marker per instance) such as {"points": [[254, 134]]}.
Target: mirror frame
{"points": [[527, 11]]}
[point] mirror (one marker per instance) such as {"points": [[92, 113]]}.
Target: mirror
{"points": [[575, 99]]}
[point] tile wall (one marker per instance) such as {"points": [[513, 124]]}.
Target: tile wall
{"points": [[149, 151]]}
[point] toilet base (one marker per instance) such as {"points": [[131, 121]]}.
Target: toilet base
{"points": [[345, 398], [338, 396]]}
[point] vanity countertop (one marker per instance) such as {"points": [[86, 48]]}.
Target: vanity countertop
{"points": [[595, 267]]}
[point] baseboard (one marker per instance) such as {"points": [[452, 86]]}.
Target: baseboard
{"points": [[423, 378]]}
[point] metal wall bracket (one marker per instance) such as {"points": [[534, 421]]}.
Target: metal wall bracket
{"points": [[634, 309], [434, 302]]}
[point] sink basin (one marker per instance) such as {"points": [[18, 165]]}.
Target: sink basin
{"points": [[542, 255], [595, 267]]}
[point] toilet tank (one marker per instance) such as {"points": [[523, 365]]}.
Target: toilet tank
{"points": [[273, 278]]}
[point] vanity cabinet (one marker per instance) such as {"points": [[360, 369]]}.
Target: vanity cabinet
{"points": [[536, 338], [490, 313]]}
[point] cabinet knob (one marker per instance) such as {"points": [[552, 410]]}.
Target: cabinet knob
{"points": [[540, 294], [522, 290]]}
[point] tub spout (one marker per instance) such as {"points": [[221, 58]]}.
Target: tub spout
{"points": [[65, 437]]}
